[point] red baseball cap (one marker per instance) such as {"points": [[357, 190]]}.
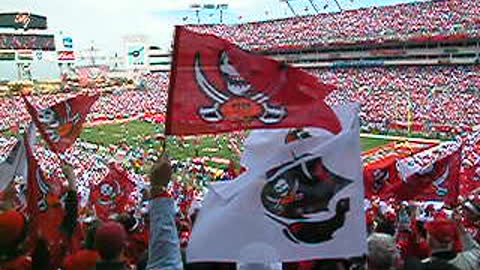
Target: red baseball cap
{"points": [[443, 230], [12, 225]]}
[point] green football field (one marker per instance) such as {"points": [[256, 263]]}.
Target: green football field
{"points": [[136, 133]]}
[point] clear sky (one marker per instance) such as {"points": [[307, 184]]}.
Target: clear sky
{"points": [[105, 22]]}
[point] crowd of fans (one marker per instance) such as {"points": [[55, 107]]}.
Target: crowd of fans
{"points": [[444, 18], [406, 235], [150, 97], [435, 98], [110, 106]]}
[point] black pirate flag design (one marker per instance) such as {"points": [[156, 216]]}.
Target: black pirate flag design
{"points": [[301, 188], [316, 232], [301, 198]]}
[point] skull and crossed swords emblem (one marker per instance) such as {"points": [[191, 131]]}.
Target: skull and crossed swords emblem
{"points": [[58, 126], [109, 192], [240, 103]]}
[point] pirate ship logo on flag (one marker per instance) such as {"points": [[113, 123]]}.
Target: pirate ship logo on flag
{"points": [[380, 177], [240, 103], [301, 188], [296, 135], [57, 125], [437, 174], [108, 193]]}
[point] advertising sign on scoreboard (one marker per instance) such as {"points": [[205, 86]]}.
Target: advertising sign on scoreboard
{"points": [[25, 56], [66, 56], [67, 43], [25, 20], [7, 55], [11, 41], [136, 55]]}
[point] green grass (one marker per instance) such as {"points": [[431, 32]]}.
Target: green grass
{"points": [[370, 143], [135, 133], [142, 134], [132, 133]]}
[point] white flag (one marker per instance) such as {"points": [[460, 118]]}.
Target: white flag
{"points": [[16, 162], [300, 199]]}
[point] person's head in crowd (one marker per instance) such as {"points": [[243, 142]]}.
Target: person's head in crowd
{"points": [[471, 210], [129, 222], [385, 226], [161, 173], [442, 235], [110, 240], [90, 233], [382, 252], [82, 260], [12, 230]]}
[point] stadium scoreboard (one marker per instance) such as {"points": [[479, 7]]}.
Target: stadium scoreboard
{"points": [[27, 42], [22, 21]]}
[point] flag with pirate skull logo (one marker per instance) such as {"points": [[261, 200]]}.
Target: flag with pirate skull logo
{"points": [[217, 87], [61, 124], [300, 199], [431, 175], [112, 194], [38, 188]]}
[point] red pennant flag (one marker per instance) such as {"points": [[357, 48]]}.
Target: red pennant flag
{"points": [[216, 87], [44, 206], [378, 177], [112, 194], [37, 187], [438, 182], [61, 124]]}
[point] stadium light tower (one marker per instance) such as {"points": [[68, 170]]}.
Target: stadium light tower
{"points": [[314, 6], [222, 7], [196, 8], [289, 6]]}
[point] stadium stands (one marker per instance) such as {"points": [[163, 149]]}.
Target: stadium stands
{"points": [[420, 21], [434, 97], [439, 97], [126, 104]]}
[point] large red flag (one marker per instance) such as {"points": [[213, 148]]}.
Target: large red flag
{"points": [[217, 87], [38, 188], [61, 124], [380, 170], [112, 194], [436, 179]]}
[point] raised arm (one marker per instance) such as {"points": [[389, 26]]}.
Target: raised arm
{"points": [[164, 245]]}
